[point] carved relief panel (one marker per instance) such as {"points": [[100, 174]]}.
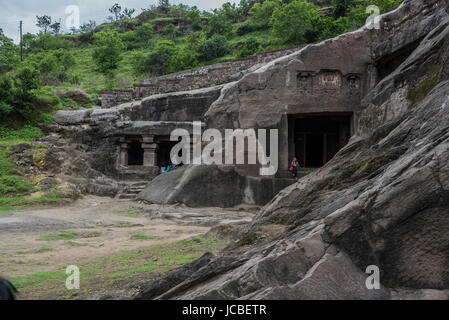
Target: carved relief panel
{"points": [[330, 80], [304, 81], [353, 83]]}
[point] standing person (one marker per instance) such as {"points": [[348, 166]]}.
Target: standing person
{"points": [[294, 167]]}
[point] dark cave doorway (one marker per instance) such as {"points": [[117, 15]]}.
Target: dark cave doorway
{"points": [[316, 139], [135, 153], [163, 153]]}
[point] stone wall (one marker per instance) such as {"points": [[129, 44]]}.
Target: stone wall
{"points": [[220, 73], [113, 98]]}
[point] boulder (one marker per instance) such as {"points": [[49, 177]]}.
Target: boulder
{"points": [[63, 117]]}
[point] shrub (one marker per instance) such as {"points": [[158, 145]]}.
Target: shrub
{"points": [[13, 184], [292, 22], [24, 134], [9, 57], [46, 101], [218, 25], [45, 119], [250, 47], [215, 47], [107, 53]]}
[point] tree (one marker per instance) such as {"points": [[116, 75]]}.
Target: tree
{"points": [[43, 23], [261, 12], [194, 15], [88, 26], [164, 6], [250, 47], [56, 27], [230, 11], [115, 10], [341, 7], [127, 13], [107, 53], [218, 24], [9, 57], [144, 32], [215, 47], [65, 58], [170, 30], [6, 98], [292, 22], [25, 82]]}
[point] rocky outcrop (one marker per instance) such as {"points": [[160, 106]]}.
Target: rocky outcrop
{"points": [[382, 201], [228, 189]]}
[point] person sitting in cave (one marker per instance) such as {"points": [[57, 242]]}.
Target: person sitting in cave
{"points": [[294, 165], [174, 163]]}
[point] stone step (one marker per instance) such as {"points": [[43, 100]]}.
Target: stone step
{"points": [[126, 196]]}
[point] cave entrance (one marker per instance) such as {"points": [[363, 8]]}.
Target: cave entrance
{"points": [[135, 153], [163, 152], [315, 139]]}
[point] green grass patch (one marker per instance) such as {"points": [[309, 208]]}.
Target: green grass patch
{"points": [[13, 184], [108, 273], [131, 213], [142, 237], [16, 136], [68, 235], [18, 203]]}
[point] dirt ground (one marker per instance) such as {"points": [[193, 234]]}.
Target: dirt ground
{"points": [[36, 243]]}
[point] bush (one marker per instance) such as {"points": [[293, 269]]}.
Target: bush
{"points": [[262, 12], [45, 42], [46, 101], [250, 47], [183, 60], [9, 57], [45, 119], [218, 25], [250, 26], [13, 184], [144, 32], [107, 53], [292, 22], [26, 133], [215, 47], [26, 81]]}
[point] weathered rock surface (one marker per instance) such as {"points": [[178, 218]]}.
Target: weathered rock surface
{"points": [[71, 117], [211, 186], [381, 201]]}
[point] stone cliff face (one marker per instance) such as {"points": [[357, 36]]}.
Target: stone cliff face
{"points": [[382, 201]]}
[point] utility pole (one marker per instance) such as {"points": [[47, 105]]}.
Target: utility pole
{"points": [[21, 42]]}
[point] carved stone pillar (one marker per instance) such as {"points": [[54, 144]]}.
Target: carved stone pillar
{"points": [[149, 151], [123, 154]]}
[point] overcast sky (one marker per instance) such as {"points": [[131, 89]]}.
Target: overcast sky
{"points": [[12, 11]]}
